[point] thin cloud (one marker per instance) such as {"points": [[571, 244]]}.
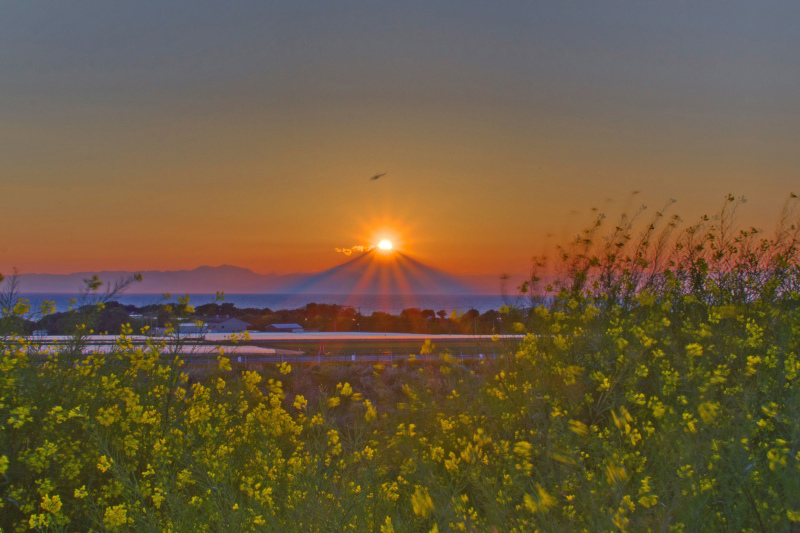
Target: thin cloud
{"points": [[357, 248]]}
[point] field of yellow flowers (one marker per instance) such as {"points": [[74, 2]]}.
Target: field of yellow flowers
{"points": [[658, 390]]}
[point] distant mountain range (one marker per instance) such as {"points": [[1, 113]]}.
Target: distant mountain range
{"points": [[369, 273], [204, 279]]}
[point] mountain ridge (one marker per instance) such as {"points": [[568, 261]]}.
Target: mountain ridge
{"points": [[363, 274]]}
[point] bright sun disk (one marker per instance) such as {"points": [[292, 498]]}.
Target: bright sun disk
{"points": [[385, 244]]}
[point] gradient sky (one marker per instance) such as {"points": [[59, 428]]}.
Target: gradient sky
{"points": [[168, 135]]}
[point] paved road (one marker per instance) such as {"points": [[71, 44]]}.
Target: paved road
{"points": [[321, 336]]}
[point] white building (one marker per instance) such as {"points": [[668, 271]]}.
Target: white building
{"points": [[225, 325]]}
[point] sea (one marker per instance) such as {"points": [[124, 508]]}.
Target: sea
{"points": [[364, 303]]}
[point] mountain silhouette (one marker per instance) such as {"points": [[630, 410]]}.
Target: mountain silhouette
{"points": [[373, 272], [203, 279], [376, 272]]}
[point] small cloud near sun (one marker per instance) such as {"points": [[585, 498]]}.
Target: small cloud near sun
{"points": [[357, 248]]}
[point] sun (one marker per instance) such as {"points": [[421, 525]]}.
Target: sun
{"points": [[385, 244]]}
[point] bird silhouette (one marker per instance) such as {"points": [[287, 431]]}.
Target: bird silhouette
{"points": [[376, 176]]}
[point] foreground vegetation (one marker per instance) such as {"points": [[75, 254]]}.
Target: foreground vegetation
{"points": [[659, 391]]}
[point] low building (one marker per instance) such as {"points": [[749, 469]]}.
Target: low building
{"points": [[285, 328], [226, 325], [191, 328]]}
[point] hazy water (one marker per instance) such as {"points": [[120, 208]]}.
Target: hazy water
{"points": [[366, 303]]}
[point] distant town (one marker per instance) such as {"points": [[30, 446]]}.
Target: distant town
{"points": [[227, 318]]}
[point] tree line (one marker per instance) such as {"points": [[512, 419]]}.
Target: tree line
{"points": [[112, 316]]}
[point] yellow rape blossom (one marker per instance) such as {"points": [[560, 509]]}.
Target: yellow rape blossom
{"points": [[387, 526], [578, 427], [694, 350], [523, 449], [104, 464], [708, 411], [421, 502], [541, 503], [51, 504], [115, 517], [371, 413], [300, 402], [616, 474]]}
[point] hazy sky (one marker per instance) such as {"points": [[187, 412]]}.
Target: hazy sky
{"points": [[168, 135]]}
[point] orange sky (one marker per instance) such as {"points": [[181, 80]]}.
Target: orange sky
{"points": [[147, 137]]}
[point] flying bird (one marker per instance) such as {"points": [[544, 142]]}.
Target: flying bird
{"points": [[376, 176]]}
